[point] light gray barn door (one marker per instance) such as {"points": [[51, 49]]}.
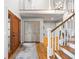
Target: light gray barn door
{"points": [[32, 31]]}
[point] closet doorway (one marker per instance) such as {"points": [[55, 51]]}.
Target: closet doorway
{"points": [[32, 31]]}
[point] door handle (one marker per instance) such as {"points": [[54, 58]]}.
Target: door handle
{"points": [[13, 34]]}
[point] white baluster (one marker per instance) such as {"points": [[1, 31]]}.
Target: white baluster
{"points": [[49, 49]]}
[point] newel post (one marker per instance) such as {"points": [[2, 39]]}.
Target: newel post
{"points": [[49, 49]]}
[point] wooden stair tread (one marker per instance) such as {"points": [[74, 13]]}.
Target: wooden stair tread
{"points": [[72, 39], [73, 42], [69, 49], [42, 53], [72, 36], [53, 57], [62, 54]]}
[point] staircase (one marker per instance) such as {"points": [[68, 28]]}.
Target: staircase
{"points": [[65, 50]]}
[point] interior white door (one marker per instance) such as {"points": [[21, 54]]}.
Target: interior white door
{"points": [[32, 31]]}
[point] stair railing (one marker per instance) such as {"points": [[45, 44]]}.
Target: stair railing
{"points": [[53, 39]]}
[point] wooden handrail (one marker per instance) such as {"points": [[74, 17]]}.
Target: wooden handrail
{"points": [[63, 22]]}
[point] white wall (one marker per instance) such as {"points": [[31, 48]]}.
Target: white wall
{"points": [[5, 32], [12, 5], [40, 4], [34, 4]]}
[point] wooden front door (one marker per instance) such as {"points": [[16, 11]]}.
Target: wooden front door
{"points": [[14, 33]]}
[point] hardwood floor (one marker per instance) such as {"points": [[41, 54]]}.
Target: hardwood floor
{"points": [[42, 52]]}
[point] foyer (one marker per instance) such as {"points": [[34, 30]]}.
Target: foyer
{"points": [[40, 29]]}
